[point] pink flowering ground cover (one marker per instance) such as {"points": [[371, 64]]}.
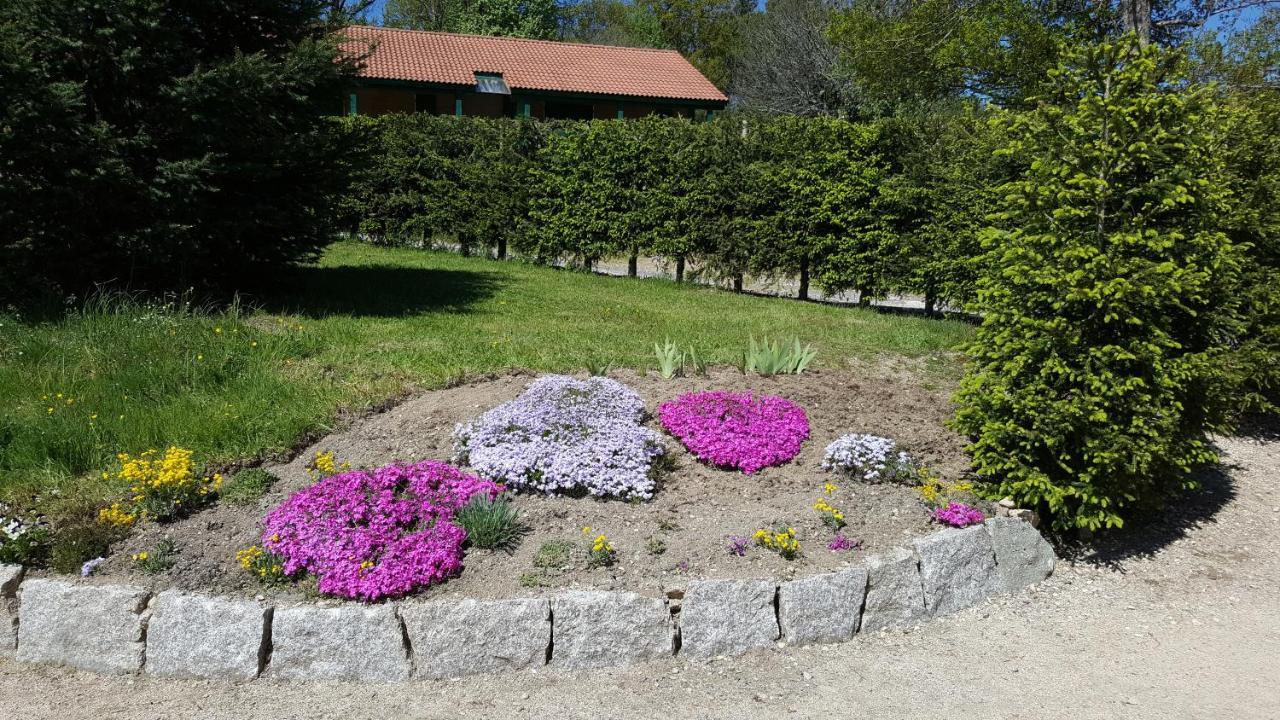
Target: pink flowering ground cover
{"points": [[736, 430], [373, 534], [958, 515]]}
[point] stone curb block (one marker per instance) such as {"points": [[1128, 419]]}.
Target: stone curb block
{"points": [[957, 568], [207, 637], [823, 608], [93, 627], [111, 629], [727, 617], [10, 578], [895, 596], [594, 629], [1023, 556], [452, 638], [349, 642]]}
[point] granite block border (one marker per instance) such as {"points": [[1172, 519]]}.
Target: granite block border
{"points": [[104, 627]]}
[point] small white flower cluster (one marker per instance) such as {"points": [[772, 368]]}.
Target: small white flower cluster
{"points": [[869, 458], [12, 528]]}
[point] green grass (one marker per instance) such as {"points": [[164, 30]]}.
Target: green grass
{"points": [[363, 326], [247, 487]]}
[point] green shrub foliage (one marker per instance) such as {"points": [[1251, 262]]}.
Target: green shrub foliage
{"points": [[822, 198], [1108, 295], [156, 143]]}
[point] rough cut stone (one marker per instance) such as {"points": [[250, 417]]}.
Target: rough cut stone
{"points": [[603, 629], [206, 637], [452, 638], [10, 577], [94, 627], [350, 642], [727, 617], [1023, 556], [823, 608], [957, 568], [895, 597]]}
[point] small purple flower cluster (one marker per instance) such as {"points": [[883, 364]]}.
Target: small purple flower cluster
{"points": [[736, 430], [840, 542], [738, 545], [564, 434], [958, 515], [373, 534]]}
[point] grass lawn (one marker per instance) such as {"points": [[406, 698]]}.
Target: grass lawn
{"points": [[364, 325]]}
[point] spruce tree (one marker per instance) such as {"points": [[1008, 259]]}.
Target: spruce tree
{"points": [[1108, 303]]}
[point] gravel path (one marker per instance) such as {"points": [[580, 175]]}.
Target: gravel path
{"points": [[1179, 621]]}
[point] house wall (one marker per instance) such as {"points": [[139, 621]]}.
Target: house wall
{"points": [[383, 100], [380, 101]]}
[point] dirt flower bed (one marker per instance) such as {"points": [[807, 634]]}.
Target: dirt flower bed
{"points": [[701, 523]]}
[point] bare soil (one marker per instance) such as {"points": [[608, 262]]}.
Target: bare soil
{"points": [[681, 534], [1174, 617]]}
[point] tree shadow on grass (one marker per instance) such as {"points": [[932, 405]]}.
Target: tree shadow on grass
{"points": [[1146, 534], [375, 291]]}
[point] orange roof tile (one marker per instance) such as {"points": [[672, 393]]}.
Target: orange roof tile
{"points": [[452, 59]]}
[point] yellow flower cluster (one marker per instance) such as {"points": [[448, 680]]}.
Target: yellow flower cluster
{"points": [[936, 492], [159, 486], [831, 515], [601, 552], [117, 516], [141, 557], [782, 542], [325, 463], [265, 566]]}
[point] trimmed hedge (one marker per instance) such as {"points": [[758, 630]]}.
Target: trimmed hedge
{"points": [[876, 207]]}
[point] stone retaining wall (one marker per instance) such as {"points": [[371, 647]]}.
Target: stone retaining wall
{"points": [[125, 629]]}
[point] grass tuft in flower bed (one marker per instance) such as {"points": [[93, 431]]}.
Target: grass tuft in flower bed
{"points": [[737, 430], [565, 435]]}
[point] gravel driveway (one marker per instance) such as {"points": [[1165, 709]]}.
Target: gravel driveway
{"points": [[1178, 620]]}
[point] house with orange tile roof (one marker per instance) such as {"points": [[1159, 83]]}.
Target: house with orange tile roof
{"points": [[452, 74]]}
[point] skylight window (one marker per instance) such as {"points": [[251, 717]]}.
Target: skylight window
{"points": [[491, 83]]}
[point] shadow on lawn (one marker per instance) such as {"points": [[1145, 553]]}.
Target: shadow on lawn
{"points": [[376, 291], [1145, 535]]}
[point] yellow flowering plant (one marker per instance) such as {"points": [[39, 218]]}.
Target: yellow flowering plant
{"points": [[783, 542], [937, 493], [161, 487], [325, 463], [266, 566], [600, 552], [831, 515]]}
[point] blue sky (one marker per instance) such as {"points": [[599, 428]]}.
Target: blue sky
{"points": [[1244, 19]]}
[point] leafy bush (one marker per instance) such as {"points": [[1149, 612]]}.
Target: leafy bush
{"points": [[247, 487], [563, 435], [163, 143], [869, 458], [373, 534], [1108, 299], [491, 523], [845, 205], [736, 430]]}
